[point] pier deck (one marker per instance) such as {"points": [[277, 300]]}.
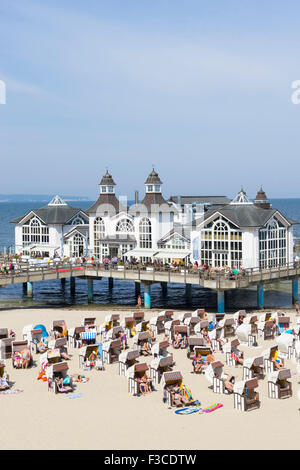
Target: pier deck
{"points": [[216, 281]]}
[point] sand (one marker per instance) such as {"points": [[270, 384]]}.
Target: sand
{"points": [[107, 417]]}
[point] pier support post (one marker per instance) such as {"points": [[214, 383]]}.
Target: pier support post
{"points": [[24, 288], [147, 294], [295, 289], [188, 293], [72, 286], [137, 286], [164, 287], [110, 282], [260, 296], [63, 282], [29, 289], [90, 290], [221, 301]]}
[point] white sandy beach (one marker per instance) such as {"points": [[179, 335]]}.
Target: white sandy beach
{"points": [[107, 417]]}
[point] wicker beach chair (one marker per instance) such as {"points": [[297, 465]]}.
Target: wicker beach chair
{"points": [[55, 372], [84, 354], [253, 368], [59, 328], [286, 346], [74, 336], [127, 359], [111, 351], [134, 375], [4, 378], [3, 333], [278, 385], [193, 341], [157, 324], [232, 353], [245, 396], [17, 347], [6, 348], [159, 366], [160, 349], [192, 323], [139, 341], [204, 355]]}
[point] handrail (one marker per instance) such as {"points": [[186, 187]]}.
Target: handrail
{"points": [[253, 275]]}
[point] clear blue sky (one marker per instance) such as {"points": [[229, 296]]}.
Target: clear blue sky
{"points": [[201, 89]]}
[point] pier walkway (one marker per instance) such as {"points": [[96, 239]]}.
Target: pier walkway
{"points": [[146, 275]]}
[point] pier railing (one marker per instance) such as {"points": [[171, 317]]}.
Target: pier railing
{"points": [[152, 273]]}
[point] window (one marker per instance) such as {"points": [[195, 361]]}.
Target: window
{"points": [[99, 232], [150, 188], [145, 233], [110, 189], [157, 188], [34, 232], [77, 245], [272, 245], [78, 221], [125, 226], [221, 244]]}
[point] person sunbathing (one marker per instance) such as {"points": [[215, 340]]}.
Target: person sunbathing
{"points": [[17, 358], [183, 343], [4, 385], [177, 340], [238, 357], [145, 385], [26, 357], [277, 363], [178, 398], [64, 354], [92, 358], [151, 334], [41, 347], [228, 382], [205, 336], [146, 349]]}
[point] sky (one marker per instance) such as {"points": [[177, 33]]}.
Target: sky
{"points": [[200, 89]]}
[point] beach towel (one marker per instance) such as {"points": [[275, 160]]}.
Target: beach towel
{"points": [[11, 392], [211, 408], [76, 395], [188, 411]]}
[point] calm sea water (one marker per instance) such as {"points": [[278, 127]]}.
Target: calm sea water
{"points": [[53, 294]]}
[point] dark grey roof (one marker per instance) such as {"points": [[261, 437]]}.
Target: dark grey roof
{"points": [[106, 203], [82, 229], [53, 215], [153, 178], [245, 215], [182, 230], [107, 179], [200, 200]]}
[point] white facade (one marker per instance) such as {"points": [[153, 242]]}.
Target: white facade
{"points": [[159, 230]]}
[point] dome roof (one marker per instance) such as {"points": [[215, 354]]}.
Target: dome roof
{"points": [[153, 178], [261, 195], [107, 179]]}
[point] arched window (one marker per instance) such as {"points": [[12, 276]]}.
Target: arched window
{"points": [[124, 226], [78, 221], [99, 228], [145, 233], [221, 244], [272, 245], [99, 232], [35, 232], [77, 245]]}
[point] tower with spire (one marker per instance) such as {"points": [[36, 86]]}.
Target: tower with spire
{"points": [[261, 200]]}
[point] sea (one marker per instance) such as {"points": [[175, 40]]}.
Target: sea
{"points": [[53, 294]]}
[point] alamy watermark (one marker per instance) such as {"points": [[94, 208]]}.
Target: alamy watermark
{"points": [[295, 97], [2, 92]]}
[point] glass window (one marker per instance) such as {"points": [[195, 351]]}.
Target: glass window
{"points": [[145, 233]]}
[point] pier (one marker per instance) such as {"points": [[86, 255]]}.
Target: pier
{"points": [[218, 280]]}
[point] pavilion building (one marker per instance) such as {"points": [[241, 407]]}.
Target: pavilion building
{"points": [[212, 230]]}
